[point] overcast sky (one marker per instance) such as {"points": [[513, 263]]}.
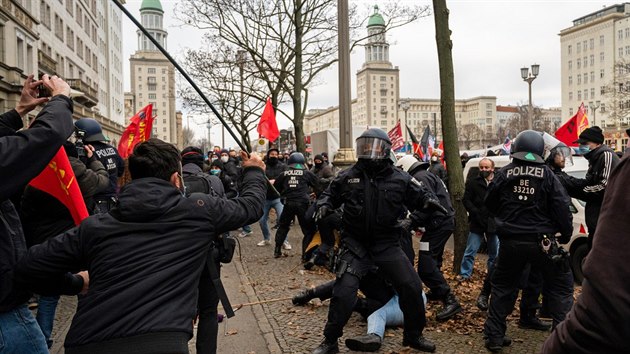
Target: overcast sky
{"points": [[492, 40]]}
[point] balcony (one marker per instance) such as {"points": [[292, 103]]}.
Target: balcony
{"points": [[46, 64], [90, 97]]}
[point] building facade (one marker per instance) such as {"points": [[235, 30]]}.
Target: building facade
{"points": [[79, 40], [595, 53], [153, 77], [378, 102]]}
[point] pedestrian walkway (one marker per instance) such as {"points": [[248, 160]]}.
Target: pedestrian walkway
{"points": [[276, 326]]}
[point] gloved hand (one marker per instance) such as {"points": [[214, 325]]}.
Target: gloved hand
{"points": [[406, 224], [434, 204], [321, 213], [564, 239]]}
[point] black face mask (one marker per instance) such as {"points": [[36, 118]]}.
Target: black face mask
{"points": [[485, 174], [273, 160], [319, 164]]}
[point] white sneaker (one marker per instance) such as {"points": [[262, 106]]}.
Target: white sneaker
{"points": [[245, 234], [263, 243], [286, 245]]}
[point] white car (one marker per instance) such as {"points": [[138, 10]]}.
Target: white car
{"points": [[577, 247]]}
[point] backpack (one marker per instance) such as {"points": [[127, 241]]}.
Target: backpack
{"points": [[203, 183]]}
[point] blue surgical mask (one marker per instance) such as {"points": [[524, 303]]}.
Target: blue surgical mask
{"points": [[584, 149], [215, 172]]}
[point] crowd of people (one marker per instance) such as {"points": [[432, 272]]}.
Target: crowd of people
{"points": [[146, 263]]}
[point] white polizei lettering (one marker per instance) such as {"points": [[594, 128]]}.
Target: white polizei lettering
{"points": [[294, 173], [354, 180], [533, 171], [105, 152]]}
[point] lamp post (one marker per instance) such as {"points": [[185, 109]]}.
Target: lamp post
{"points": [[594, 107], [404, 105], [529, 76]]}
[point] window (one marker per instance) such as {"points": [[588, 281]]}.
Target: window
{"points": [[620, 50], [151, 79], [570, 80], [70, 38], [1, 42], [489, 113], [579, 63], [591, 44], [620, 34], [69, 6], [579, 47], [579, 79], [20, 51], [601, 56], [152, 87], [152, 96], [593, 92], [579, 95], [383, 78], [586, 94], [44, 13], [151, 71], [592, 59], [601, 74], [570, 64], [592, 76], [627, 32], [603, 107], [570, 96], [602, 90], [601, 41], [58, 27], [585, 62], [570, 111], [569, 49], [585, 78]]}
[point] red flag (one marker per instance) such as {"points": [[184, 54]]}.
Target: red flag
{"points": [[395, 135], [267, 127], [139, 130], [570, 131], [57, 179]]}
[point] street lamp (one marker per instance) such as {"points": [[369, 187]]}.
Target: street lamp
{"points": [[404, 105], [594, 107], [529, 76]]}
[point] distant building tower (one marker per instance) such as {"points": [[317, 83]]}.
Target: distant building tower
{"points": [[153, 76], [377, 81]]}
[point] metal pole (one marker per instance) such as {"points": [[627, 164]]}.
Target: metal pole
{"points": [[180, 69], [222, 130], [529, 112], [345, 113], [435, 127], [241, 63], [405, 131]]}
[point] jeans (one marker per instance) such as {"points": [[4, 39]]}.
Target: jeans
{"points": [[20, 334], [472, 246], [389, 315], [46, 308], [276, 204]]}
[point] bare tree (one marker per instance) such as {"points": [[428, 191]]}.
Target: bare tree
{"points": [[188, 136], [470, 135], [617, 96], [290, 42], [449, 128]]}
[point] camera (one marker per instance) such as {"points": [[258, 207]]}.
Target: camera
{"points": [[80, 144]]}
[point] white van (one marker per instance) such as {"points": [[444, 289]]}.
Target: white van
{"points": [[577, 247]]}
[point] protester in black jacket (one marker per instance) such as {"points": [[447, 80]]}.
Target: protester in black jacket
{"points": [[230, 164], [324, 173], [144, 257], [23, 155], [602, 160], [274, 168], [229, 185], [437, 168]]}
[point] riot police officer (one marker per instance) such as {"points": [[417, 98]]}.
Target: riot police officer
{"points": [[438, 229], [530, 206], [294, 186], [108, 156], [374, 194]]}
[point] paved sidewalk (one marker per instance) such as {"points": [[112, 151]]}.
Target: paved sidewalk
{"points": [[280, 327]]}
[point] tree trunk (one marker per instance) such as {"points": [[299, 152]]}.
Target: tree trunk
{"points": [[298, 118], [449, 128]]}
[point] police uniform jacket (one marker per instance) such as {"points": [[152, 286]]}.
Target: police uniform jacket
{"points": [[295, 185], [23, 155], [478, 215], [108, 156], [373, 203], [435, 220], [527, 199], [273, 170], [144, 257]]}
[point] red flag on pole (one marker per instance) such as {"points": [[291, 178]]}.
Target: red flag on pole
{"points": [[267, 127], [57, 179], [139, 130], [415, 144], [395, 135], [568, 133]]}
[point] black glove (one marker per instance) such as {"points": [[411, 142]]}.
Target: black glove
{"points": [[321, 213], [406, 224], [434, 204], [564, 239]]}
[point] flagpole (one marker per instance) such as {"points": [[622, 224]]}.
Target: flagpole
{"points": [[181, 71]]}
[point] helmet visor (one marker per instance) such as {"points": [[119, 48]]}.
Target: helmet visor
{"points": [[372, 148]]}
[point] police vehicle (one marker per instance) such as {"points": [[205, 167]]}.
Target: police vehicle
{"points": [[577, 247]]}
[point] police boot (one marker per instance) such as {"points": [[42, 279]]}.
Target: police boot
{"points": [[496, 346], [451, 307], [277, 252], [327, 347], [482, 302], [419, 343], [367, 343], [533, 322], [309, 264], [303, 297]]}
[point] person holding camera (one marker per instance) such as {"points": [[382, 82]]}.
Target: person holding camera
{"points": [[90, 132], [144, 257], [44, 216], [23, 155]]}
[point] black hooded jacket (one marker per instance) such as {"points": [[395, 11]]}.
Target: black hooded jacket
{"points": [[435, 220], [144, 257], [273, 171]]}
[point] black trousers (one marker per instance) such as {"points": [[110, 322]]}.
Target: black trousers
{"points": [[430, 262], [394, 267], [208, 325], [327, 227], [513, 258], [290, 211]]}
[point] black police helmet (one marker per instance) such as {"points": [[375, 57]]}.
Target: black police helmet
{"points": [[529, 146], [92, 129], [373, 144], [296, 160]]}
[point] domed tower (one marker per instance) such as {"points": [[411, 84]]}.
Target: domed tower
{"points": [[377, 80], [151, 15]]}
